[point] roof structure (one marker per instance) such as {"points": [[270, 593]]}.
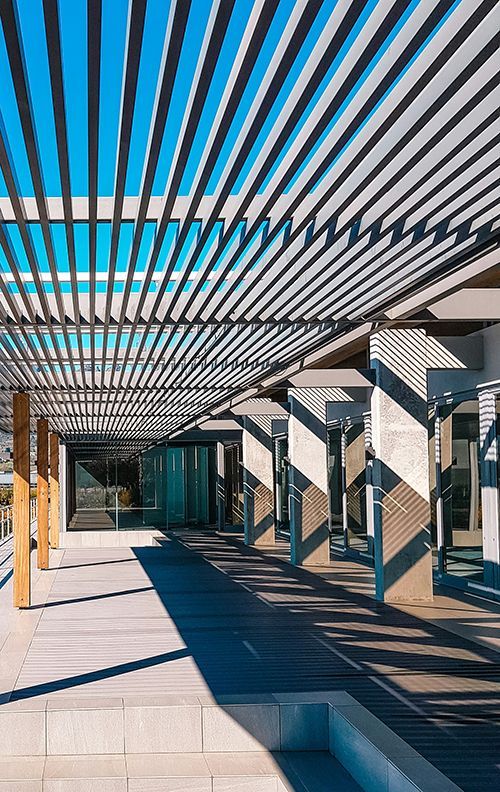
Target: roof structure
{"points": [[195, 196]]}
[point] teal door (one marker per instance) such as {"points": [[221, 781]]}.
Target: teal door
{"points": [[176, 498]]}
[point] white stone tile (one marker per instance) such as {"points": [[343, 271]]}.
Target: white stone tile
{"points": [[241, 728], [337, 697], [304, 727], [28, 785], [257, 763], [21, 768], [170, 785], [85, 785], [85, 774], [175, 765], [162, 700], [245, 784], [22, 733], [163, 729], [85, 731], [411, 774], [360, 757], [84, 702], [374, 730]]}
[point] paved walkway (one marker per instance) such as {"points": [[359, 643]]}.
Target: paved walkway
{"points": [[205, 614]]}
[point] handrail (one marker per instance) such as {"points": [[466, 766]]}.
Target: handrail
{"points": [[6, 526]]}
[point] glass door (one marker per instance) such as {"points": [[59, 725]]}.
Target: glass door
{"points": [[461, 490], [335, 486], [347, 485], [95, 494], [280, 454], [233, 482], [355, 487]]}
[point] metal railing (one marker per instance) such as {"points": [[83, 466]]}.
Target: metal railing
{"points": [[6, 526]]}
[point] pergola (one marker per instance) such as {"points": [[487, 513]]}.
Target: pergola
{"points": [[197, 198]]}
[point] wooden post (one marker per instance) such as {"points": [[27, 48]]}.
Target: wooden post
{"points": [[54, 490], [21, 495], [42, 493]]}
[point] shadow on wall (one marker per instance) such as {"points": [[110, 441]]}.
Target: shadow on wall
{"points": [[403, 543]]}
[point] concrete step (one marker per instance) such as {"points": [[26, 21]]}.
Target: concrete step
{"points": [[226, 772], [303, 741]]}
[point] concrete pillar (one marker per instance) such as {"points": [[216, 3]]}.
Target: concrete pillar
{"points": [[220, 487], [490, 507], [309, 536], [400, 476], [258, 480]]}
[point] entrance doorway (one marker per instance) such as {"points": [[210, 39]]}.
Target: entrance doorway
{"points": [[280, 466], [347, 486]]}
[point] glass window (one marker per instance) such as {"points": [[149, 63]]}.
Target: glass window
{"points": [[355, 485], [334, 439], [461, 490], [233, 482], [280, 449], [498, 457]]}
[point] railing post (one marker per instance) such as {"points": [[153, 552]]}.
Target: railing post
{"points": [[42, 493], [21, 501], [54, 490]]}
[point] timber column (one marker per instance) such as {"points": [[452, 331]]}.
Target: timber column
{"points": [[54, 490], [21, 500]]}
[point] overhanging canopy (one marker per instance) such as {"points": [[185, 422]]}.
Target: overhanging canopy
{"points": [[195, 195]]}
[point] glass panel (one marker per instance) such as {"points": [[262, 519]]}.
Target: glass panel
{"points": [[334, 440], [176, 502], [95, 494], [280, 449], [461, 487], [498, 457], [233, 479], [431, 417], [355, 473], [153, 476], [197, 485]]}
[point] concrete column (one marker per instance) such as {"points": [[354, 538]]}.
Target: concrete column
{"points": [[220, 487], [489, 493], [400, 476], [309, 536], [258, 481]]}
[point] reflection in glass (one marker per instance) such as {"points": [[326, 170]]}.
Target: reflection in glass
{"points": [[233, 482], [498, 457], [161, 488], [461, 490], [280, 453], [95, 493], [355, 483], [334, 439]]}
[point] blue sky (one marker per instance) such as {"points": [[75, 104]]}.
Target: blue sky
{"points": [[73, 32]]}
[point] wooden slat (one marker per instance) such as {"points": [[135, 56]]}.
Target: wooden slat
{"points": [[21, 497], [54, 490], [42, 493]]}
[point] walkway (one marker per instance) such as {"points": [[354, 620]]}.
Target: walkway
{"points": [[205, 614]]}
